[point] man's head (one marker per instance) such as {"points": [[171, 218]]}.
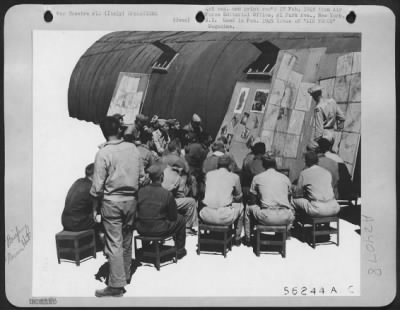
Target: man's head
{"points": [[163, 125], [224, 161], [110, 127], [311, 158], [315, 92], [141, 120], [196, 120], [89, 170], [156, 172], [218, 146], [259, 148], [174, 147], [268, 161], [324, 145]]}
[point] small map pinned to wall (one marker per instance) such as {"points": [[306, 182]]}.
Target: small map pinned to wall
{"points": [[341, 90], [327, 86], [293, 83], [271, 117], [277, 92], [303, 101], [278, 145], [353, 118], [241, 100], [348, 146], [344, 64], [356, 68], [259, 101], [355, 88], [296, 122], [291, 145], [287, 63]]}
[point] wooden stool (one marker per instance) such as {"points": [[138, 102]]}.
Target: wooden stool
{"points": [[320, 226], [70, 245], [281, 229], [157, 252], [211, 235]]}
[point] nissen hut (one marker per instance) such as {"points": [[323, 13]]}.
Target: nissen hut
{"points": [[210, 73]]}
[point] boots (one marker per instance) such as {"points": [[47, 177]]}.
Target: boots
{"points": [[110, 292]]}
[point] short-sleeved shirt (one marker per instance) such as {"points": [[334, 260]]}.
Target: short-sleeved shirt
{"points": [[221, 187], [117, 169], [332, 166], [315, 184], [272, 187]]}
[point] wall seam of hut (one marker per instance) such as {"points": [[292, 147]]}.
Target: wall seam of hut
{"points": [[211, 74]]}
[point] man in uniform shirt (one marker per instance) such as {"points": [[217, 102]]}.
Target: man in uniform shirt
{"points": [[269, 198], [327, 116], [157, 214], [223, 196], [315, 189], [117, 170]]}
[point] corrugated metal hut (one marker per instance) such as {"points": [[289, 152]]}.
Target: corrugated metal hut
{"points": [[200, 80]]}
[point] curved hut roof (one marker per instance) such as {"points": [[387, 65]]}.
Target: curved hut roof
{"points": [[200, 80]]}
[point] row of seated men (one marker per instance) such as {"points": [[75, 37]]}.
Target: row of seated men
{"points": [[156, 202]]}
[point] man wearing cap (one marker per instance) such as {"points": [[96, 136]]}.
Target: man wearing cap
{"points": [[223, 196], [314, 193], [194, 126], [117, 172], [161, 137], [157, 213], [327, 116], [268, 199]]}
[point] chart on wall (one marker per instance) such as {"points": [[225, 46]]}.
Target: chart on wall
{"points": [[129, 94], [244, 115], [342, 82]]}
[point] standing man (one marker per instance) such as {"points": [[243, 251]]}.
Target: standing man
{"points": [[223, 196], [327, 117], [314, 192], [194, 126], [269, 198], [117, 170]]}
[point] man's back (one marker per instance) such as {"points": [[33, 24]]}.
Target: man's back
{"points": [[117, 170], [156, 206], [78, 214], [221, 185], [317, 182], [273, 188], [196, 153]]}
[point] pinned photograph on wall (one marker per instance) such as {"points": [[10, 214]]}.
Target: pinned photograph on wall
{"points": [[241, 100], [229, 138], [245, 133], [224, 130], [250, 142], [234, 121], [244, 119], [256, 122], [260, 99]]}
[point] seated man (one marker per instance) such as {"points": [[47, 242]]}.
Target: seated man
{"points": [[315, 189], [329, 164], [222, 199], [157, 214], [175, 181], [269, 198], [78, 209], [345, 188]]}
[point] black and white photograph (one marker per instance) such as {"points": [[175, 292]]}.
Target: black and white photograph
{"points": [[161, 168], [259, 101]]}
